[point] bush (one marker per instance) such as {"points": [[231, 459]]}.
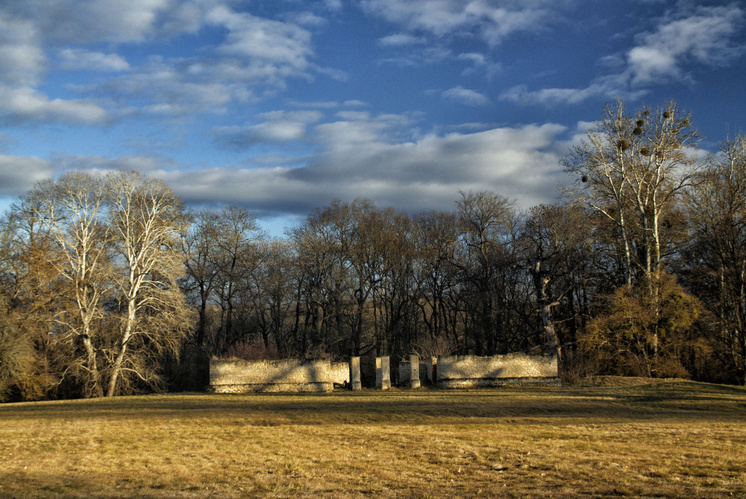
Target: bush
{"points": [[643, 333], [23, 373]]}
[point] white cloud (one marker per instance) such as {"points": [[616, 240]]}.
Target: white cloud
{"points": [[284, 46], [252, 61], [23, 66], [400, 39], [492, 21], [473, 57], [252, 58], [278, 127], [364, 158], [420, 55], [18, 174], [97, 61], [479, 61], [28, 105], [432, 31], [466, 96], [87, 21], [500, 23], [263, 190], [103, 164], [350, 115], [551, 96], [186, 16], [173, 88], [22, 59], [306, 18], [315, 104], [703, 38], [678, 47], [367, 158], [333, 4], [355, 103]]}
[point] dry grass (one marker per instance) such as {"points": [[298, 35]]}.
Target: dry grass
{"points": [[665, 439]]}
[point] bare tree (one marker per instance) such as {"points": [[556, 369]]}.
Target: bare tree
{"points": [[601, 166], [200, 248], [234, 259], [634, 168], [148, 221], [435, 236], [664, 165], [273, 284], [487, 261], [31, 294], [631, 169], [555, 243], [397, 318], [71, 209], [716, 257], [326, 274]]}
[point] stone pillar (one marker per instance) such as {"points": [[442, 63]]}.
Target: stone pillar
{"points": [[414, 371], [383, 373], [355, 382]]}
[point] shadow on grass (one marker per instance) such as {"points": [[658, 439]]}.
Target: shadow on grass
{"points": [[659, 401]]}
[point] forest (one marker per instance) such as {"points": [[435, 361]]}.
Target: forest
{"points": [[109, 285]]}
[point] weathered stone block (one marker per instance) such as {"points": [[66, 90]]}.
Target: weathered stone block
{"points": [[517, 368], [383, 373], [240, 376], [414, 371], [355, 378]]}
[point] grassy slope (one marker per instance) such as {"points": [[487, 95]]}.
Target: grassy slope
{"points": [[676, 439]]}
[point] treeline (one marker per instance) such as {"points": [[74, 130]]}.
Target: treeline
{"points": [[110, 286]]}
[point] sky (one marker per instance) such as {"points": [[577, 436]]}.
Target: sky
{"points": [[282, 106]]}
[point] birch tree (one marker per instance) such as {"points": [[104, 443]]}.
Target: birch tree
{"points": [[663, 159], [601, 165], [632, 169]]}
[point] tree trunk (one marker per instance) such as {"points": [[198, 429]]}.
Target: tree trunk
{"points": [[119, 360], [202, 324], [541, 281], [627, 250], [94, 389]]}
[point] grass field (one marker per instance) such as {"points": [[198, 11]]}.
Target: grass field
{"points": [[662, 439]]}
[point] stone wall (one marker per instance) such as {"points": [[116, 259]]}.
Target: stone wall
{"points": [[242, 376], [470, 371]]}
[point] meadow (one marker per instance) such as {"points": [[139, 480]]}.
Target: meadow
{"points": [[598, 439]]}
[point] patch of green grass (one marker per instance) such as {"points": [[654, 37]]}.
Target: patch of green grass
{"points": [[663, 439]]}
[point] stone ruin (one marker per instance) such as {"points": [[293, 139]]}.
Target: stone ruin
{"points": [[470, 371], [464, 371], [243, 376]]}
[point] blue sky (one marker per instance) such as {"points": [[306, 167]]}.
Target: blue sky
{"points": [[284, 105]]}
